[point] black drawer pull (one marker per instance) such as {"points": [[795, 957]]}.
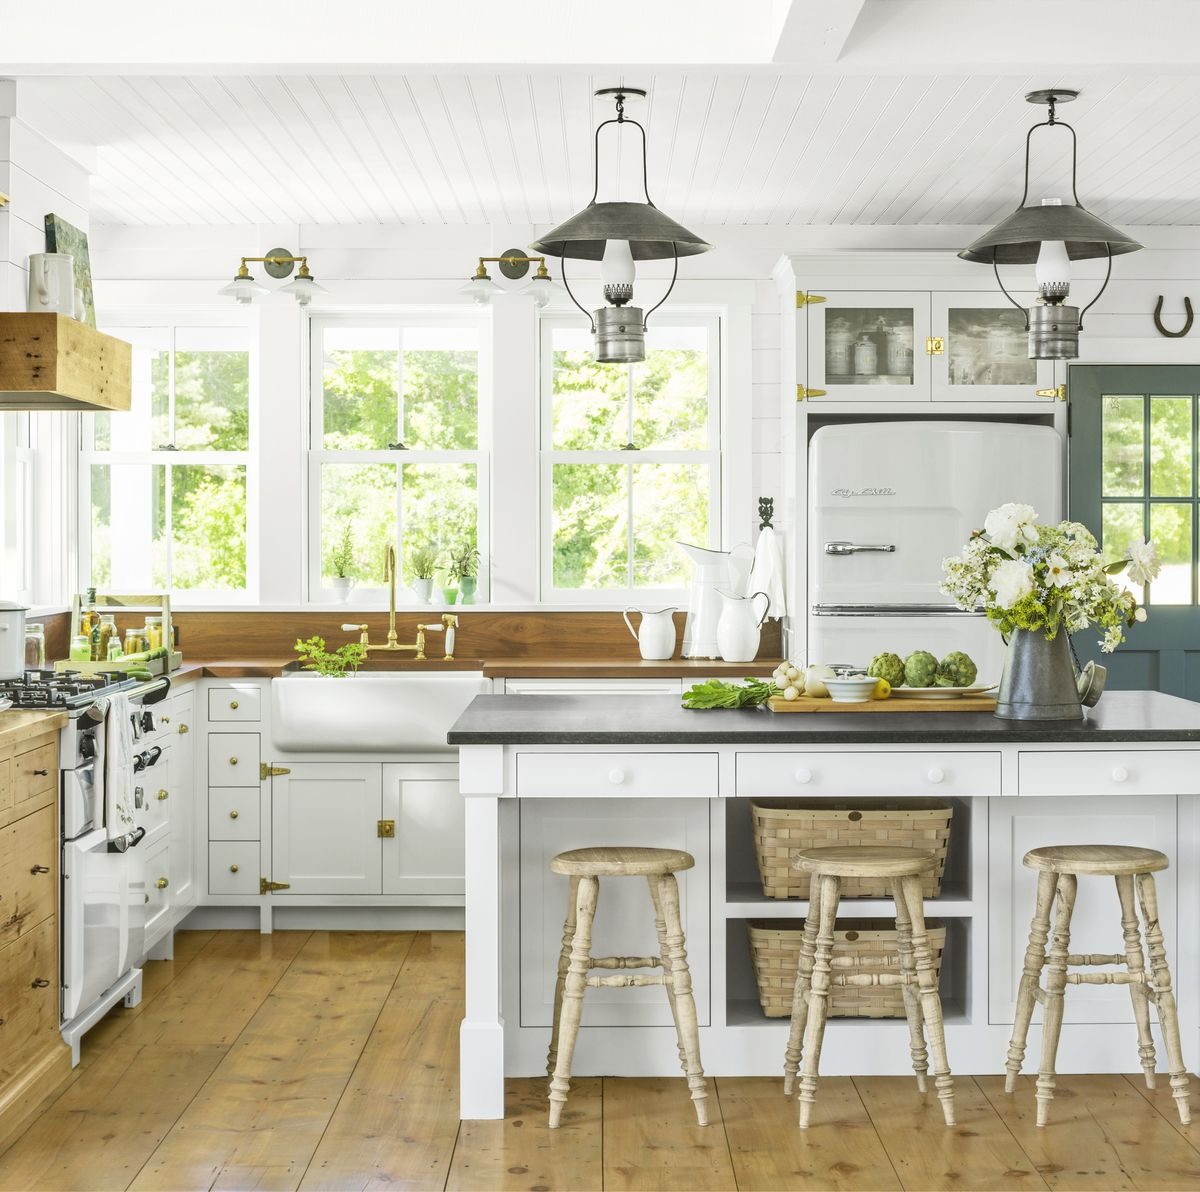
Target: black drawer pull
{"points": [[40, 869], [42, 773], [39, 983]]}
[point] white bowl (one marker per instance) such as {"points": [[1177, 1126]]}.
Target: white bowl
{"points": [[852, 689]]}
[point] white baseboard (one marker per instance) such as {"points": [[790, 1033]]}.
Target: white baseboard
{"points": [[327, 918]]}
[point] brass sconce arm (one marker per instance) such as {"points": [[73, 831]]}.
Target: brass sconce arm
{"points": [[512, 259], [276, 260]]}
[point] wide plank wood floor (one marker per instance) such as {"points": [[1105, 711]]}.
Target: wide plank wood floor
{"points": [[323, 1060]]}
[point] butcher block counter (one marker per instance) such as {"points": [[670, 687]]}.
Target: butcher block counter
{"points": [[542, 773]]}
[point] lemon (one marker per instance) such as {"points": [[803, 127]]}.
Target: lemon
{"points": [[882, 689]]}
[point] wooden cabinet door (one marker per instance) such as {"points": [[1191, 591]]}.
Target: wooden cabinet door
{"points": [[427, 855], [1017, 825], [324, 825]]}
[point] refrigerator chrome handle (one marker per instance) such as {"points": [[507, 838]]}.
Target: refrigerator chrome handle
{"points": [[854, 548]]}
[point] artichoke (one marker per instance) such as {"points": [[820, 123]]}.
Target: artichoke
{"points": [[920, 667], [956, 670], [889, 667]]}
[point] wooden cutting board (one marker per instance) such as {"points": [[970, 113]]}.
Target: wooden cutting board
{"points": [[808, 703]]}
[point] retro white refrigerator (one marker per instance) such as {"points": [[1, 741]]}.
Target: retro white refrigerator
{"points": [[888, 501]]}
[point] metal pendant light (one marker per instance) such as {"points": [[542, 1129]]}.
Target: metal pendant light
{"points": [[1049, 237], [618, 235]]}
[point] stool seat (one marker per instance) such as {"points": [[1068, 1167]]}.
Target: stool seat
{"points": [[1104, 860], [622, 861], [846, 860]]}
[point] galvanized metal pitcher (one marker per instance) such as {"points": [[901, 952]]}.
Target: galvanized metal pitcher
{"points": [[1039, 679]]}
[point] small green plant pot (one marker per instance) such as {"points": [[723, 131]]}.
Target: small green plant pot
{"points": [[450, 595], [467, 585]]}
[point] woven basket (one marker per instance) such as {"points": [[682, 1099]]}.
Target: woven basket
{"points": [[775, 947], [780, 832]]}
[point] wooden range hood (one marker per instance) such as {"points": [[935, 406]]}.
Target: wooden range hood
{"points": [[52, 362]]}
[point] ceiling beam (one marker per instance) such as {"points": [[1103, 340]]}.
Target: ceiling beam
{"points": [[813, 32]]}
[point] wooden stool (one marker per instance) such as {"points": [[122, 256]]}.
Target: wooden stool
{"points": [[585, 866], [1058, 869], [810, 1003]]}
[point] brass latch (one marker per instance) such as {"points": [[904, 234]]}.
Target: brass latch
{"points": [[803, 299], [802, 393], [385, 829], [266, 886], [265, 771], [935, 345], [1059, 392]]}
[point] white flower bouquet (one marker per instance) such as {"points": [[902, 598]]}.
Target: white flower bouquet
{"points": [[1034, 577]]}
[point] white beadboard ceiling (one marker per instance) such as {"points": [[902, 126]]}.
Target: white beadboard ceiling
{"points": [[726, 146]]}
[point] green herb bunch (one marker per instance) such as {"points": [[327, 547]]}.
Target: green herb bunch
{"points": [[330, 663], [716, 694]]}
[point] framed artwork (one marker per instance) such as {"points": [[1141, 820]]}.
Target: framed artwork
{"points": [[62, 236]]}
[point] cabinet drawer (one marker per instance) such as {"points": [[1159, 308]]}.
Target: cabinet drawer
{"points": [[35, 773], [29, 995], [233, 759], [233, 867], [621, 775], [1115, 772], [28, 873], [175, 718], [6, 784], [233, 813], [868, 773], [158, 890], [234, 703]]}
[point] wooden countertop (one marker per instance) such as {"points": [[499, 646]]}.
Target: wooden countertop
{"points": [[18, 726]]}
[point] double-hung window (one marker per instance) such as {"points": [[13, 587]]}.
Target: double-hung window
{"points": [[17, 526], [398, 436], [631, 460], [166, 488]]}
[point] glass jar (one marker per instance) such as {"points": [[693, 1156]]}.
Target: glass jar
{"points": [[81, 648], [108, 631], [35, 646], [153, 633], [114, 648], [135, 641]]}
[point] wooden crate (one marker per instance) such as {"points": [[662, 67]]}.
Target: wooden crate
{"points": [[780, 832], [775, 949], [52, 362]]}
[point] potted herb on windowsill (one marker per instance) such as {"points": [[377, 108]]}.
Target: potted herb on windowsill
{"points": [[464, 567], [342, 559], [422, 563]]}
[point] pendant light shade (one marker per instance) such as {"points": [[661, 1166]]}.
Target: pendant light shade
{"points": [[651, 235], [1050, 235]]}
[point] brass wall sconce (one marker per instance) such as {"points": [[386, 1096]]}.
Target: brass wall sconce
{"points": [[513, 264], [278, 263]]}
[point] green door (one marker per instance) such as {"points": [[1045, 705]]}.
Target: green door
{"points": [[1132, 467]]}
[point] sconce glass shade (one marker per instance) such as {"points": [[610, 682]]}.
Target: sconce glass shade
{"points": [[541, 290], [303, 289], [481, 290], [243, 289]]}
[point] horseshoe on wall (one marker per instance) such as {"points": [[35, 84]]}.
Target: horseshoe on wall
{"points": [[1187, 325]]}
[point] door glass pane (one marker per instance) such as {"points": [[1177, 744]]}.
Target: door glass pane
{"points": [[212, 391], [1123, 446], [670, 504], [361, 497], [590, 401], [440, 380], [439, 508], [1170, 446], [1122, 526], [128, 512], [1171, 533], [208, 527], [988, 347], [868, 345], [670, 391], [361, 384], [590, 505]]}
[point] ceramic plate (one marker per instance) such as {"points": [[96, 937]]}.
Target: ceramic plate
{"points": [[941, 692]]}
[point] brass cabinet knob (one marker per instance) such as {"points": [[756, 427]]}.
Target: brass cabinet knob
{"points": [[165, 719], [233, 705], [39, 869], [183, 728], [233, 815], [233, 761], [162, 883], [233, 869], [38, 983], [162, 795]]}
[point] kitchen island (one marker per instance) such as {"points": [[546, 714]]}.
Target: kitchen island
{"points": [[544, 773]]}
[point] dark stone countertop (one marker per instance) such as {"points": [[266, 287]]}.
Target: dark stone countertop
{"points": [[1134, 716]]}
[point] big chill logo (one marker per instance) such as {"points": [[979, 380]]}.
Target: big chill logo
{"points": [[884, 491]]}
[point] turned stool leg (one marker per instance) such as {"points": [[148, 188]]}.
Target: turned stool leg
{"points": [[1160, 974], [685, 1005], [808, 948], [1031, 977], [1135, 962], [912, 998], [660, 927], [564, 959], [1056, 983], [573, 989], [818, 994], [931, 1003]]}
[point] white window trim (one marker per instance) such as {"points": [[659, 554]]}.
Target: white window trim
{"points": [[371, 597]]}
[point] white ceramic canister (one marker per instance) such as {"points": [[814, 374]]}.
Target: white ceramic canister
{"points": [[655, 635], [738, 630], [51, 283], [12, 640]]}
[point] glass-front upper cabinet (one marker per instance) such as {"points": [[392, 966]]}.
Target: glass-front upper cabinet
{"points": [[980, 351], [867, 346]]}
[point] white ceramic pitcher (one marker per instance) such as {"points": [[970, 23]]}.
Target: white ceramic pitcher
{"points": [[738, 629], [655, 635], [51, 283]]}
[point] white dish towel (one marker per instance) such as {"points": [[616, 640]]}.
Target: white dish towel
{"points": [[766, 572], [118, 766]]}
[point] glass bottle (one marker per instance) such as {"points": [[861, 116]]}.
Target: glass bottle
{"points": [[94, 637], [88, 615], [108, 632]]}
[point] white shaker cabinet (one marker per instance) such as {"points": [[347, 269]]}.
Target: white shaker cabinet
{"points": [[426, 855]]}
